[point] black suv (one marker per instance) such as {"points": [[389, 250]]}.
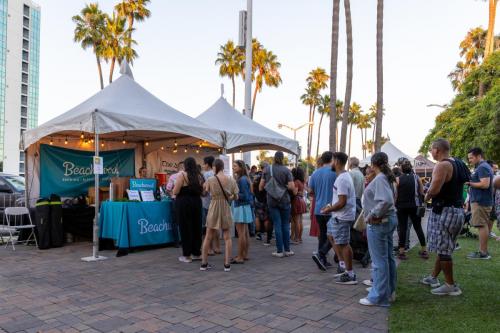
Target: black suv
{"points": [[11, 192]]}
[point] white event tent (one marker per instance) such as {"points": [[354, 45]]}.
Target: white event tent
{"points": [[392, 152], [123, 112], [242, 133]]}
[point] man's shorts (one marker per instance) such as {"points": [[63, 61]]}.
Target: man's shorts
{"points": [[443, 230], [340, 230], [480, 215]]}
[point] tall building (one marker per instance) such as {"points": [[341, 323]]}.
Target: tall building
{"points": [[19, 78]]}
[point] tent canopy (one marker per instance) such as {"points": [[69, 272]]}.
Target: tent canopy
{"points": [[242, 133], [392, 152], [124, 106]]}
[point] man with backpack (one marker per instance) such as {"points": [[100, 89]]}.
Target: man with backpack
{"points": [[481, 200], [447, 216]]}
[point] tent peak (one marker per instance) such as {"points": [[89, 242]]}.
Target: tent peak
{"points": [[126, 70]]}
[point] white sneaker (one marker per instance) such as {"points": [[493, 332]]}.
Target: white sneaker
{"points": [[368, 283], [365, 301], [392, 299], [278, 254], [493, 235], [289, 253], [184, 259], [430, 281]]}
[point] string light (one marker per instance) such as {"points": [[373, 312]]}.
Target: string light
{"points": [[162, 148], [147, 143], [197, 151], [219, 150], [92, 140], [51, 141], [66, 141], [102, 144], [185, 150], [175, 150], [82, 136], [124, 141], [175, 143], [86, 141]]}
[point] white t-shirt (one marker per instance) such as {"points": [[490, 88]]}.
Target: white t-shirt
{"points": [[344, 186]]}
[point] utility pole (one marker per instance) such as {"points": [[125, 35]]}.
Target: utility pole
{"points": [[247, 157]]}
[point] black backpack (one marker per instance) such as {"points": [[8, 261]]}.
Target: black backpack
{"points": [[463, 172]]}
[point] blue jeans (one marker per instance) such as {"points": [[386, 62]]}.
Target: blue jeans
{"points": [[281, 221], [383, 263]]}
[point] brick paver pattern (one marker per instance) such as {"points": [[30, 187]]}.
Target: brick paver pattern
{"points": [[150, 291]]}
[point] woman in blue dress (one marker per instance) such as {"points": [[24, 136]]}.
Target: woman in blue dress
{"points": [[242, 210]]}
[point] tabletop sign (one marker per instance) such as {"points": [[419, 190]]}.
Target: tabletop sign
{"points": [[143, 184], [98, 165], [148, 195], [133, 195]]}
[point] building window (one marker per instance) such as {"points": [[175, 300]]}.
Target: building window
{"points": [[21, 168], [26, 11], [25, 78], [25, 55], [21, 156], [26, 22], [25, 67], [26, 33], [26, 44], [24, 111], [24, 100], [24, 122]]}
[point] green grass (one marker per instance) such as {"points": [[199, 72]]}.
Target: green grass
{"points": [[476, 310]]}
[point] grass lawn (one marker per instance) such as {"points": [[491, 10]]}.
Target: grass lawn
{"points": [[476, 310]]}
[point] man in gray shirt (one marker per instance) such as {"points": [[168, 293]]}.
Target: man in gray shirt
{"points": [[358, 180]]}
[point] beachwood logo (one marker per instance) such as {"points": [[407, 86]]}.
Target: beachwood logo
{"points": [[147, 227], [70, 169]]}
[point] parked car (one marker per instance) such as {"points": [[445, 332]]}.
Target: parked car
{"points": [[11, 191]]}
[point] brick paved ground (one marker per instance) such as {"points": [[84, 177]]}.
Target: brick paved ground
{"points": [[150, 291]]}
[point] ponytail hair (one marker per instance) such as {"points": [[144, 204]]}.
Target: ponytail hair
{"points": [[219, 165], [381, 160]]}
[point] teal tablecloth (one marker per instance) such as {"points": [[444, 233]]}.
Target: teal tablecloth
{"points": [[133, 224]]}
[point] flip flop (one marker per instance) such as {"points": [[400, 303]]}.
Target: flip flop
{"points": [[236, 262]]}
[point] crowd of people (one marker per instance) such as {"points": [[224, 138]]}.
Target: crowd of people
{"points": [[374, 201]]}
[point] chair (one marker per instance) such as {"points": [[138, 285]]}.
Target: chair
{"points": [[13, 216]]}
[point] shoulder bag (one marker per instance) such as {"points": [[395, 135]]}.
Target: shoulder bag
{"points": [[273, 188], [223, 191], [420, 206]]}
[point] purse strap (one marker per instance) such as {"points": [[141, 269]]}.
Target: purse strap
{"points": [[222, 188]]}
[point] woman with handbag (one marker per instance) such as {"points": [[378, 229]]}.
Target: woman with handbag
{"points": [[409, 204], [222, 189], [380, 216], [242, 211], [298, 206]]}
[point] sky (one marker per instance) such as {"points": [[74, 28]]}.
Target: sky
{"points": [[178, 45]]}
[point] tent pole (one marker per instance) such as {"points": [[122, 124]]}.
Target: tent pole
{"points": [[95, 235]]}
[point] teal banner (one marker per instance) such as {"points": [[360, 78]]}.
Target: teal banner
{"points": [[68, 172], [143, 184]]}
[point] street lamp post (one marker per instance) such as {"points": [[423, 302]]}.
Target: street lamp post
{"points": [[443, 106], [294, 130]]}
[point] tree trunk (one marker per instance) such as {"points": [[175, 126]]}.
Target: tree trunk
{"points": [[380, 75], [336, 138], [112, 69], [348, 87], [99, 69], [362, 143], [253, 102], [319, 134], [312, 127], [309, 134], [490, 36], [350, 140], [333, 75], [234, 90], [366, 142], [130, 19]]}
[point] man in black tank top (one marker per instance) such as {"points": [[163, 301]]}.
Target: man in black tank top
{"points": [[446, 220]]}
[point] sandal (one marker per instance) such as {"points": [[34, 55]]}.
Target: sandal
{"points": [[236, 262], [423, 254]]}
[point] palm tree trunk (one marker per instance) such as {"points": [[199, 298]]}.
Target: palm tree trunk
{"points": [[490, 37], [380, 75], [309, 134], [336, 138], [112, 69], [234, 90], [366, 142], [99, 69], [350, 140], [319, 134], [348, 88], [333, 75], [362, 143], [130, 20], [312, 125]]}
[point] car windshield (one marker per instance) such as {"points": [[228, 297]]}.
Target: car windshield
{"points": [[16, 182]]}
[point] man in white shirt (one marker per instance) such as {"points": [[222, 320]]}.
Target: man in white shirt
{"points": [[343, 209]]}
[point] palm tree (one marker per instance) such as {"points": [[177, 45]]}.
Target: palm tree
{"points": [[310, 98], [318, 79], [472, 48], [90, 32], [354, 115], [116, 42], [490, 38], [133, 10], [333, 74], [363, 124], [339, 105], [348, 88], [380, 75], [230, 60], [458, 75], [323, 110], [265, 68]]}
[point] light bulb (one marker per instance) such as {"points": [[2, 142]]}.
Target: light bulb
{"points": [[147, 143], [66, 141], [82, 136]]}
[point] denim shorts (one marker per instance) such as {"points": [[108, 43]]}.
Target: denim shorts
{"points": [[340, 230]]}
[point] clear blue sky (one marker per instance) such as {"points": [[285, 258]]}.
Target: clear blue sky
{"points": [[178, 46]]}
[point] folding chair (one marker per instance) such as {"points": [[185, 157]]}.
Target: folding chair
{"points": [[13, 216]]}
